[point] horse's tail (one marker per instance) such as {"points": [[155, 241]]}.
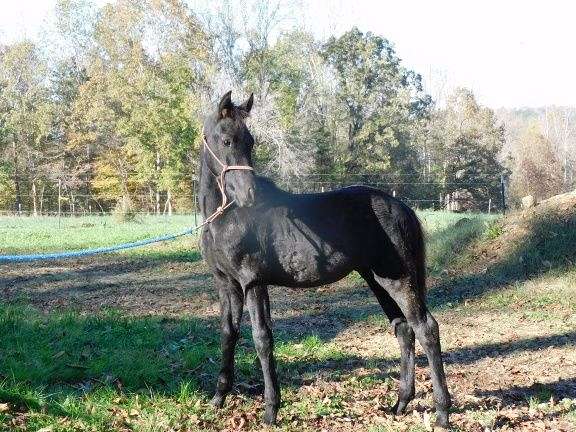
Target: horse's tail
{"points": [[415, 248], [418, 247]]}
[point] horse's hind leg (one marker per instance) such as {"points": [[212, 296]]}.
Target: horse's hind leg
{"points": [[405, 336], [410, 300], [259, 307], [231, 307]]}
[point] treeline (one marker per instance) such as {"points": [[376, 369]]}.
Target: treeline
{"points": [[106, 111], [540, 149]]}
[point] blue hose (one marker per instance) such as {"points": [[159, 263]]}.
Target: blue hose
{"points": [[93, 251]]}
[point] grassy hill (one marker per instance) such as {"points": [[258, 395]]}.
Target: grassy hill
{"points": [[536, 246]]}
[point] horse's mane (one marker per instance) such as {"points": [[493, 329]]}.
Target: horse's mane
{"points": [[268, 186], [269, 191]]}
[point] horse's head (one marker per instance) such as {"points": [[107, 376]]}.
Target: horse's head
{"points": [[230, 148]]}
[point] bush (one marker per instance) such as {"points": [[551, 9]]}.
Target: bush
{"points": [[124, 211]]}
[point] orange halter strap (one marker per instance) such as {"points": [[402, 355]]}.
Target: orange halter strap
{"points": [[220, 182]]}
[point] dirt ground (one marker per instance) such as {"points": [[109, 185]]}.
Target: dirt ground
{"points": [[506, 370]]}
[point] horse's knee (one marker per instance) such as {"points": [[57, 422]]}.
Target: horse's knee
{"points": [[432, 325], [402, 330], [428, 333], [229, 332]]}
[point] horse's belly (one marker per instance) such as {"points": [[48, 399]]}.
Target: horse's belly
{"points": [[304, 266]]}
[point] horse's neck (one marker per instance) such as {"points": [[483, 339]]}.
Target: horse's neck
{"points": [[209, 196]]}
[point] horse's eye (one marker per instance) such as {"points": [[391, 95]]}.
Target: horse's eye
{"points": [[227, 142]]}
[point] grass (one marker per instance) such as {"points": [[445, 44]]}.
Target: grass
{"points": [[73, 369], [512, 256], [48, 234], [449, 234], [548, 246], [67, 347], [21, 235], [76, 372], [94, 371]]}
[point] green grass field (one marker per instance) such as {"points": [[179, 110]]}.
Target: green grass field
{"points": [[95, 345], [28, 235], [46, 233]]}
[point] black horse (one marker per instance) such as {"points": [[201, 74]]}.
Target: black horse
{"points": [[272, 237]]}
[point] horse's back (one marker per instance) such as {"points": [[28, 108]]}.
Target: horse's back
{"points": [[365, 225]]}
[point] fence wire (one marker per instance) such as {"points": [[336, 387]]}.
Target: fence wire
{"points": [[80, 200]]}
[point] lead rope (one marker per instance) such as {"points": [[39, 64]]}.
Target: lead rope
{"points": [[220, 182]]}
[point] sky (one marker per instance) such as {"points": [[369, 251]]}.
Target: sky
{"points": [[511, 53]]}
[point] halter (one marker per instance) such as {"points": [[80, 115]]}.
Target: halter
{"points": [[220, 182]]}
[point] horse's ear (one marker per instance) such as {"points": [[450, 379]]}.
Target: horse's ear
{"points": [[247, 106], [225, 106]]}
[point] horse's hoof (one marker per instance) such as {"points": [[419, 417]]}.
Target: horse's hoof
{"points": [[270, 415], [217, 401], [400, 407], [441, 423]]}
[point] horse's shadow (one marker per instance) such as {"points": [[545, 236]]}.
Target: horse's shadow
{"points": [[180, 336]]}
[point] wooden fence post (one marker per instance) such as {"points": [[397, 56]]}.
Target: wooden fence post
{"points": [[194, 201], [503, 193], [59, 200]]}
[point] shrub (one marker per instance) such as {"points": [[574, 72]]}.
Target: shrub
{"points": [[124, 211]]}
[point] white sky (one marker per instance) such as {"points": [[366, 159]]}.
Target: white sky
{"points": [[512, 53]]}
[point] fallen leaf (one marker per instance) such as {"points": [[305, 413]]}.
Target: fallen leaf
{"points": [[426, 419]]}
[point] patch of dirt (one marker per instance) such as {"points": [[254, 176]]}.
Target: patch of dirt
{"points": [[133, 286]]}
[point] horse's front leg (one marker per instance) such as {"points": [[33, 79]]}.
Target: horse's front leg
{"points": [[231, 306], [259, 306]]}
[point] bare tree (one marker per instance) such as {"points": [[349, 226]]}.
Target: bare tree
{"points": [[289, 157], [559, 127]]}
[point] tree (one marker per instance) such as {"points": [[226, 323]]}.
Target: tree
{"points": [[464, 149], [537, 169], [382, 100], [113, 113], [138, 108], [559, 128], [290, 99], [25, 117], [552, 132], [249, 62]]}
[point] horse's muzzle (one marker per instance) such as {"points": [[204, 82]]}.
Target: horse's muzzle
{"points": [[243, 188], [247, 199]]}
